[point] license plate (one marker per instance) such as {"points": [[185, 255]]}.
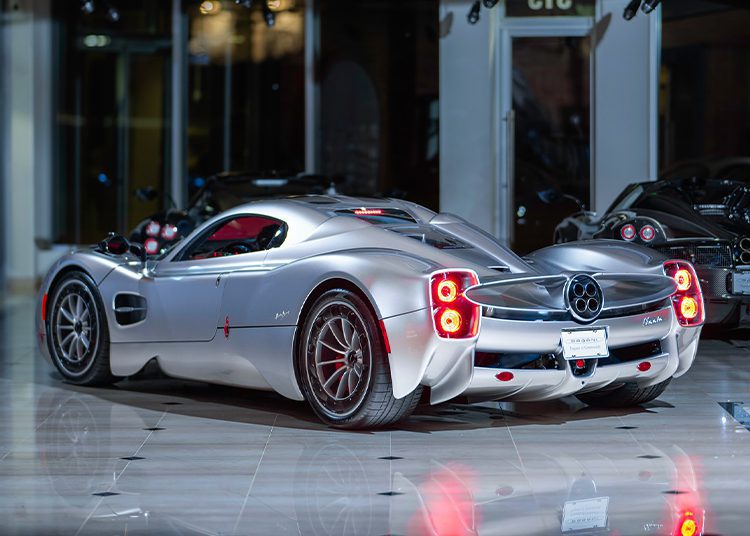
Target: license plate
{"points": [[586, 514], [584, 343], [741, 283]]}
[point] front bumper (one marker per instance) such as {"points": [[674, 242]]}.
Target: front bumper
{"points": [[678, 348]]}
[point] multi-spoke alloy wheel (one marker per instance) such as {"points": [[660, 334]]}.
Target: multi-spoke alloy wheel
{"points": [[78, 341], [343, 366], [339, 358]]}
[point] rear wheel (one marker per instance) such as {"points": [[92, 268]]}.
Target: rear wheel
{"points": [[77, 332], [628, 394], [343, 366]]}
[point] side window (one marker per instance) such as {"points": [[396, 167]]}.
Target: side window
{"points": [[237, 236]]}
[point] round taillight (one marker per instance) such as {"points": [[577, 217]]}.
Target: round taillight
{"points": [[504, 376], [683, 280], [647, 233], [643, 367], [151, 245], [169, 232], [450, 321], [153, 228], [688, 528], [688, 307], [628, 232], [447, 291]]}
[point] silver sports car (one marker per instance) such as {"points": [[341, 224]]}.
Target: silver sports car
{"points": [[363, 306]]}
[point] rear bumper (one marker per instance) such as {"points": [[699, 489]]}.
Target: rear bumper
{"points": [[678, 348]]}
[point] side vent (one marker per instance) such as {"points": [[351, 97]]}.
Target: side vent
{"points": [[130, 309]]}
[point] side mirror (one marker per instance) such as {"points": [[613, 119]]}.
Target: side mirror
{"points": [[115, 244], [139, 251]]}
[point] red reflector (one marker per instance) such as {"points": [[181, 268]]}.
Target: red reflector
{"points": [[504, 376], [643, 367], [580, 363], [385, 337], [44, 307]]}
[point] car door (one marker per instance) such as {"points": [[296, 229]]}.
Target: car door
{"points": [[186, 293]]}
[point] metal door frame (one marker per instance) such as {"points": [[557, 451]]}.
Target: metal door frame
{"points": [[503, 31]]}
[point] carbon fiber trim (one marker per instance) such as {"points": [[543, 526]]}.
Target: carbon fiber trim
{"points": [[714, 255]]}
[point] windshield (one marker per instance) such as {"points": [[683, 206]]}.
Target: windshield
{"points": [[626, 199]]}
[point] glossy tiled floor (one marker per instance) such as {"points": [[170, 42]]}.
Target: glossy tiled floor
{"points": [[161, 456]]}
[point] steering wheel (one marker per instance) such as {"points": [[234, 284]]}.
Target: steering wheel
{"points": [[238, 247]]}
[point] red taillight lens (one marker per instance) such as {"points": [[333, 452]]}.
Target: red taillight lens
{"points": [[153, 228], [683, 279], [169, 232], [628, 232], [648, 233], [687, 301], [151, 245], [453, 315], [447, 291]]}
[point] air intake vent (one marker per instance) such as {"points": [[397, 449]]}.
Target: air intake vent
{"points": [[130, 309]]}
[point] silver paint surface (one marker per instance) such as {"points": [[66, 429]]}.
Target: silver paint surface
{"points": [[261, 296]]}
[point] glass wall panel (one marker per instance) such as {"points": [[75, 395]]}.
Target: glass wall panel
{"points": [[551, 99], [378, 76], [246, 91], [112, 122], [705, 83]]}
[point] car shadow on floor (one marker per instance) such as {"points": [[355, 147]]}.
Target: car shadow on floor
{"points": [[156, 392]]}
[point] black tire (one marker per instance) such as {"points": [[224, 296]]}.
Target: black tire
{"points": [[628, 394], [77, 331], [343, 366]]}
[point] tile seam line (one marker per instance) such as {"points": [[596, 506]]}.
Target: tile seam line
{"points": [[255, 474]]}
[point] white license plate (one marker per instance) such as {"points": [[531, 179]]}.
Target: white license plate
{"points": [[741, 283], [584, 343], [586, 514]]}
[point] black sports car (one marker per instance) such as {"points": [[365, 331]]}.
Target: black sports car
{"points": [[219, 193], [706, 222]]}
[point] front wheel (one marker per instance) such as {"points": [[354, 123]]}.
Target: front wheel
{"points": [[343, 366], [628, 394], [77, 332]]}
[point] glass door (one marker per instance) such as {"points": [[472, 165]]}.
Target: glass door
{"points": [[115, 141], [548, 135]]}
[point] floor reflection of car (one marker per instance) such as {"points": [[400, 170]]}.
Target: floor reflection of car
{"points": [[216, 194], [706, 222], [337, 487]]}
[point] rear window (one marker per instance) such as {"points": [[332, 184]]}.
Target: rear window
{"points": [[378, 216]]}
